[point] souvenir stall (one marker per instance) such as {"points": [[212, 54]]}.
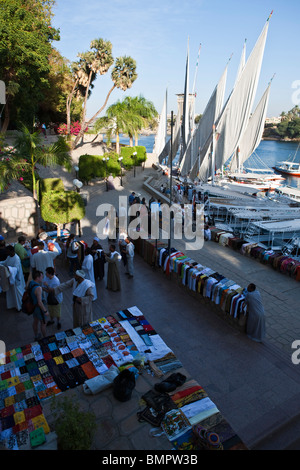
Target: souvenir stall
{"points": [[33, 374], [224, 296], [279, 261], [284, 263]]}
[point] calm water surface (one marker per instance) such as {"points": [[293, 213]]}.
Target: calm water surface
{"points": [[268, 153]]}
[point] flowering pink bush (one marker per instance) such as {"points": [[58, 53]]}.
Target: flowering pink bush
{"points": [[74, 129]]}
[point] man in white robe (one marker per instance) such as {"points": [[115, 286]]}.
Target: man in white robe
{"points": [[256, 328], [82, 298], [16, 280], [88, 268]]}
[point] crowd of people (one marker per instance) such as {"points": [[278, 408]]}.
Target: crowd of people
{"points": [[30, 266]]}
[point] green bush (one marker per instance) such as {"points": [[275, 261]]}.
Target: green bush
{"points": [[92, 166], [62, 207], [50, 184], [74, 428], [127, 154]]}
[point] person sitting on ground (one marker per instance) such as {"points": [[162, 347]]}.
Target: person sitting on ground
{"points": [[256, 328], [207, 233]]}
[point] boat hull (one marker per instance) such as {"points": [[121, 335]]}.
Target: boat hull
{"points": [[287, 172]]}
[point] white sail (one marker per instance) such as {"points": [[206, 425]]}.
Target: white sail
{"points": [[204, 129], [161, 136], [253, 134], [236, 113], [242, 63], [185, 126]]}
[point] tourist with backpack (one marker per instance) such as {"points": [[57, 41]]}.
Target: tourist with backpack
{"points": [[40, 312], [72, 249]]}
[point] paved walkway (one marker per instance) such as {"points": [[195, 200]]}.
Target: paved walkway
{"points": [[255, 386]]}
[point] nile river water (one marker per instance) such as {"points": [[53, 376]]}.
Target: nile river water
{"points": [[268, 153]]}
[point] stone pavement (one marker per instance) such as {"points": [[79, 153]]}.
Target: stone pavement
{"points": [[255, 386]]}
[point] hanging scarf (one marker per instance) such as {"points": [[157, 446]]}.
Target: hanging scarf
{"points": [[81, 288]]}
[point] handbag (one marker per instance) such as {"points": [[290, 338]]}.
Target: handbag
{"points": [[51, 299]]}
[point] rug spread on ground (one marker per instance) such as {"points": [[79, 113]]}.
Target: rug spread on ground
{"points": [[40, 370]]}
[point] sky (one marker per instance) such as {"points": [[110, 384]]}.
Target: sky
{"points": [[158, 34]]}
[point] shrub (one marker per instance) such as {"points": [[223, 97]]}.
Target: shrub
{"points": [[62, 207], [50, 184], [74, 128], [74, 428], [127, 154], [92, 166]]}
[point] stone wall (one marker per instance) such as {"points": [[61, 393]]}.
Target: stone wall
{"points": [[17, 217]]}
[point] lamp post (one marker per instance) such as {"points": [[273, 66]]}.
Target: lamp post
{"points": [[134, 162], [105, 160], [78, 185], [120, 161], [76, 168], [171, 182]]}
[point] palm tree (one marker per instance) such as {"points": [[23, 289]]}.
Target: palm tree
{"points": [[30, 151], [123, 75], [96, 61], [116, 122], [143, 113]]}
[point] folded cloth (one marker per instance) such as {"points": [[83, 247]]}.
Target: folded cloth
{"points": [[199, 410], [100, 382]]}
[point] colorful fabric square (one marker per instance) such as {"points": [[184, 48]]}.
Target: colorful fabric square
{"points": [[89, 370], [37, 437], [19, 417], [40, 421]]}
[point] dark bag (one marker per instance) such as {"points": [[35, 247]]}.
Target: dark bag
{"points": [[27, 302], [25, 262], [51, 299], [151, 416], [123, 385]]}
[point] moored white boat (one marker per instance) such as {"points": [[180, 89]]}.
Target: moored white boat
{"points": [[288, 168]]}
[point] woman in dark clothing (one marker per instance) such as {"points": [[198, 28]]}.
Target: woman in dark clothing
{"points": [[99, 259]]}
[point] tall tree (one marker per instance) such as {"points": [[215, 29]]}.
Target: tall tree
{"points": [[91, 63], [123, 76], [143, 113], [116, 122], [53, 106], [25, 45], [129, 116]]}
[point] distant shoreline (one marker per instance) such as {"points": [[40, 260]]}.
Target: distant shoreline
{"points": [[281, 140]]}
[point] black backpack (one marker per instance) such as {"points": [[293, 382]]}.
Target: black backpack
{"points": [[123, 385]]}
